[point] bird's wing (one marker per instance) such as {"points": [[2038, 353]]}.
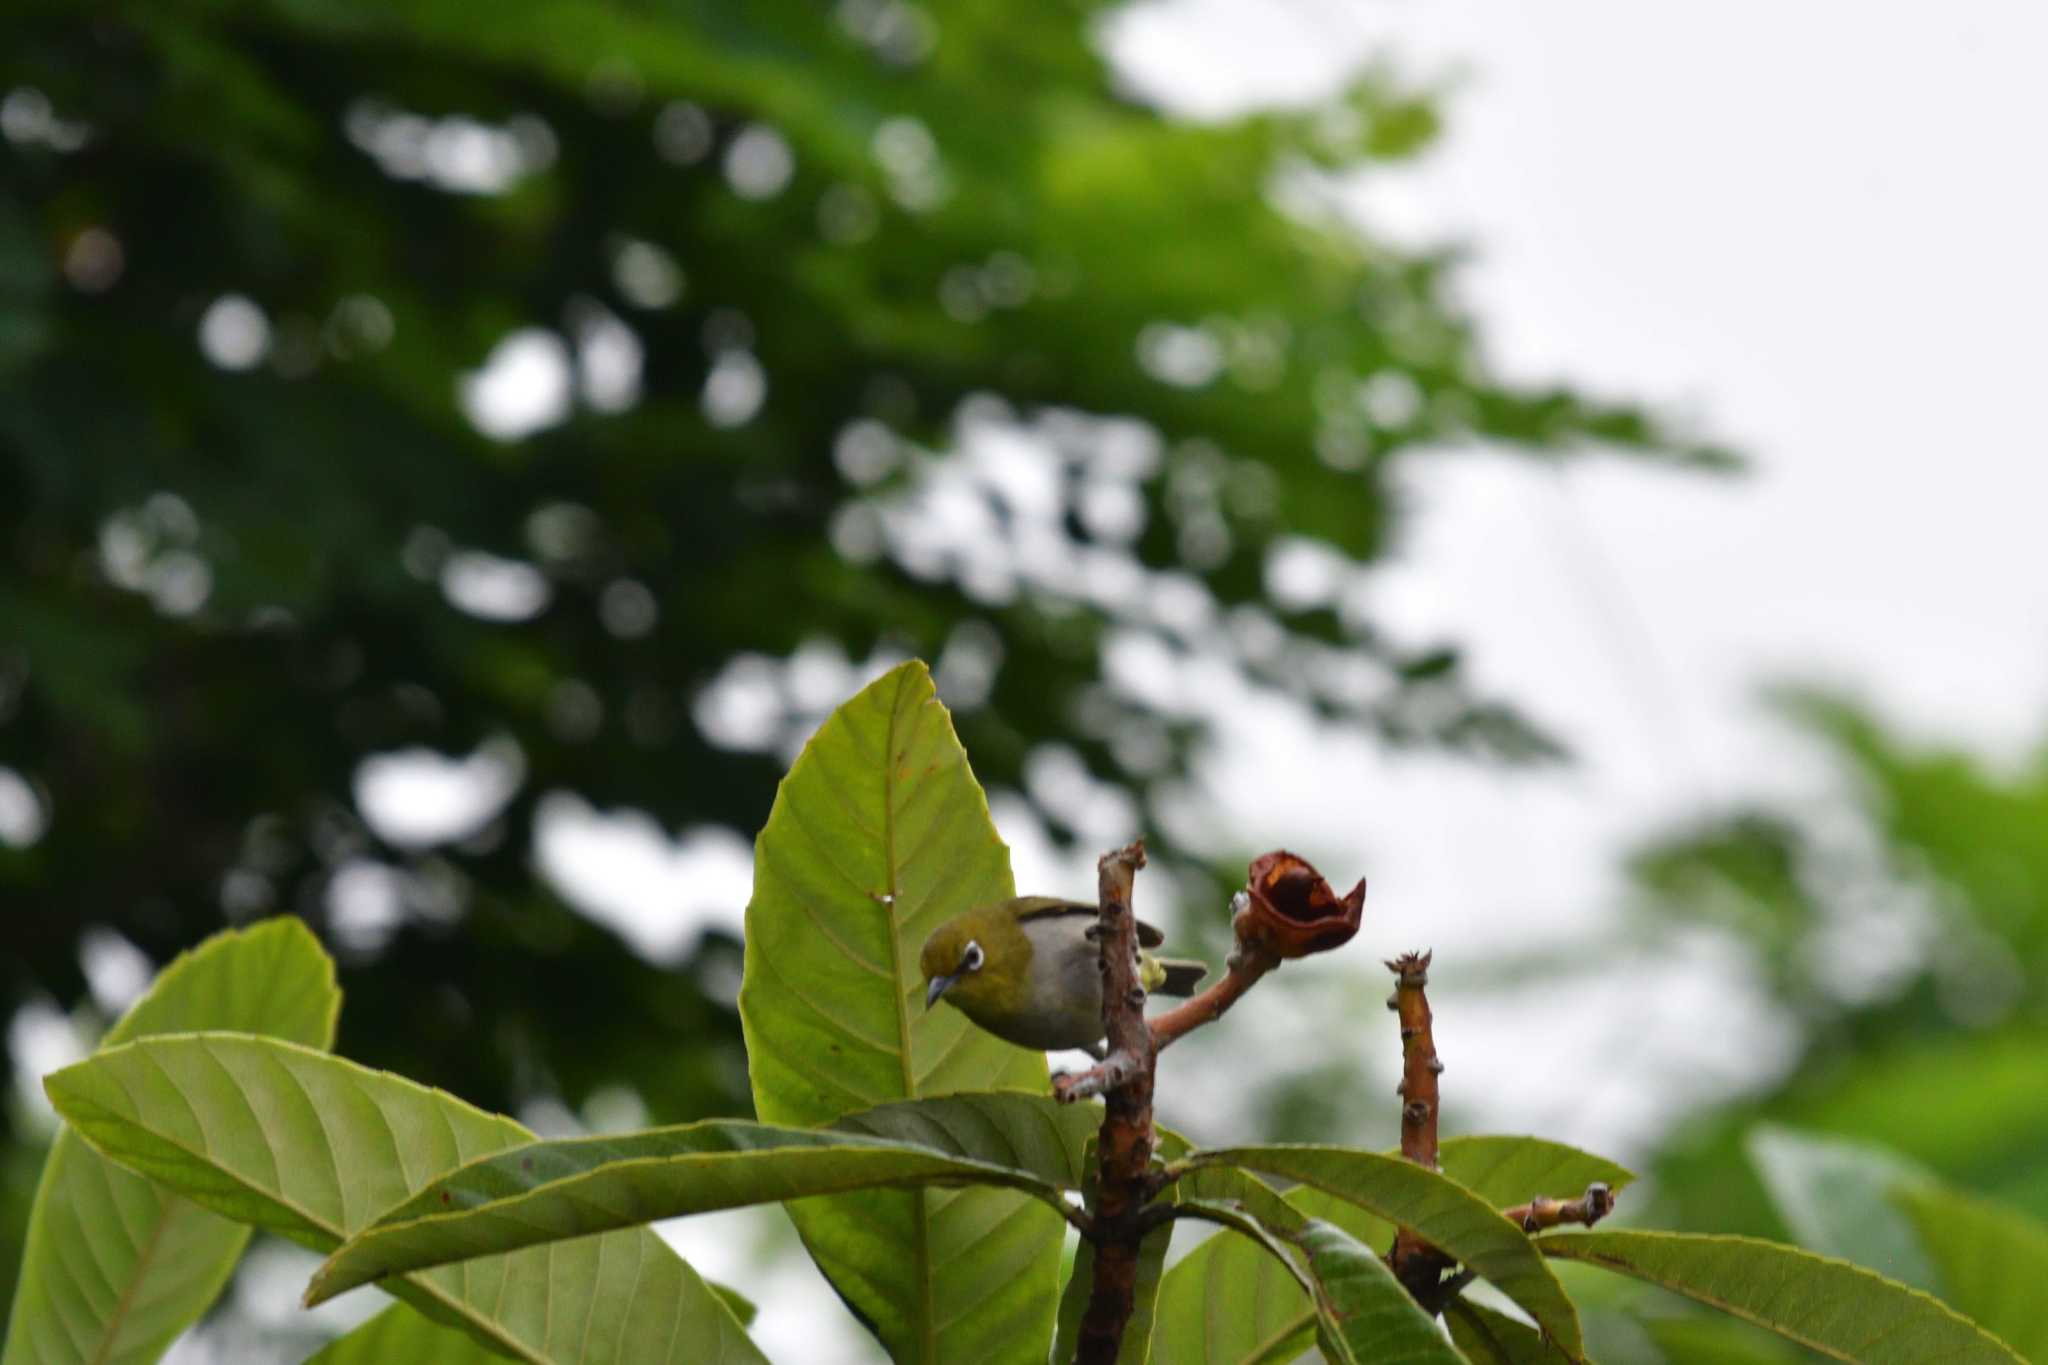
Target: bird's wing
{"points": [[1040, 907]]}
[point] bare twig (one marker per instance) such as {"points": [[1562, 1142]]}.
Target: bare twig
{"points": [[1247, 965], [1540, 1213], [1124, 1143], [1416, 1263], [1419, 1065]]}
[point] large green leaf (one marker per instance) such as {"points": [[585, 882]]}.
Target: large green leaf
{"points": [[315, 1148], [878, 835], [401, 1336], [1441, 1210], [1709, 1339], [1835, 1196], [115, 1267], [1993, 1262], [545, 1192], [1838, 1309]]}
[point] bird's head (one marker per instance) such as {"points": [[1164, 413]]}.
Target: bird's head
{"points": [[978, 960]]}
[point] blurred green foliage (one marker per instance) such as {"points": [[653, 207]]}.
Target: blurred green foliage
{"points": [[1900, 931], [254, 256]]}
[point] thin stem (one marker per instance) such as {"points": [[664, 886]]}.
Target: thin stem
{"points": [[1416, 1263], [1247, 965]]}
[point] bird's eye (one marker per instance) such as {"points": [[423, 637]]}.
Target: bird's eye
{"points": [[971, 959]]}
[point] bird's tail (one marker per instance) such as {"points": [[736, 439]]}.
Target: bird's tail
{"points": [[1180, 978]]}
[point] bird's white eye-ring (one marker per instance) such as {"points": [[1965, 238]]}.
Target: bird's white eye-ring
{"points": [[970, 960]]}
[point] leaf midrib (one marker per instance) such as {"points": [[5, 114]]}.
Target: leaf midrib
{"points": [[928, 1345], [144, 1254]]}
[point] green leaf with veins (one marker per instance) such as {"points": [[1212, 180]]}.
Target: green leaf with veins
{"points": [[1838, 1309], [116, 1267], [314, 1148], [554, 1191], [879, 834]]}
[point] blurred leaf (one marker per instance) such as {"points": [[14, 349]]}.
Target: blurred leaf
{"points": [[1985, 1135], [116, 1267], [400, 1336], [878, 835], [1836, 1308], [1505, 1171], [1488, 1337], [744, 1309], [315, 1148], [1993, 1262], [549, 1192], [1442, 1211], [1697, 1339], [1836, 1197]]}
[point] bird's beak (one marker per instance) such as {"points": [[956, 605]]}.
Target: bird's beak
{"points": [[937, 988]]}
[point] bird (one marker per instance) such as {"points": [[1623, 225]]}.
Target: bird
{"points": [[1028, 970]]}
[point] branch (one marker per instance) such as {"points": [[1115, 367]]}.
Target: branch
{"points": [[1415, 1263], [1124, 1143], [1589, 1208], [1247, 965], [1286, 910]]}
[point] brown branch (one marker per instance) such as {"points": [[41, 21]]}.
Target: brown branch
{"points": [[1540, 1213], [1124, 1143], [1286, 910], [1419, 1066], [1416, 1263], [1247, 965]]}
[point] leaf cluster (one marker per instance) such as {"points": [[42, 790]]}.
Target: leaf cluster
{"points": [[937, 1210]]}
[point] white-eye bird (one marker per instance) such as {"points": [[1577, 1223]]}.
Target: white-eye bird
{"points": [[1028, 970]]}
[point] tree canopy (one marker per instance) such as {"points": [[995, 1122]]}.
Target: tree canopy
{"points": [[381, 376]]}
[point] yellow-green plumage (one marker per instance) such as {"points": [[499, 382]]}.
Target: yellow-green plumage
{"points": [[1026, 970]]}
